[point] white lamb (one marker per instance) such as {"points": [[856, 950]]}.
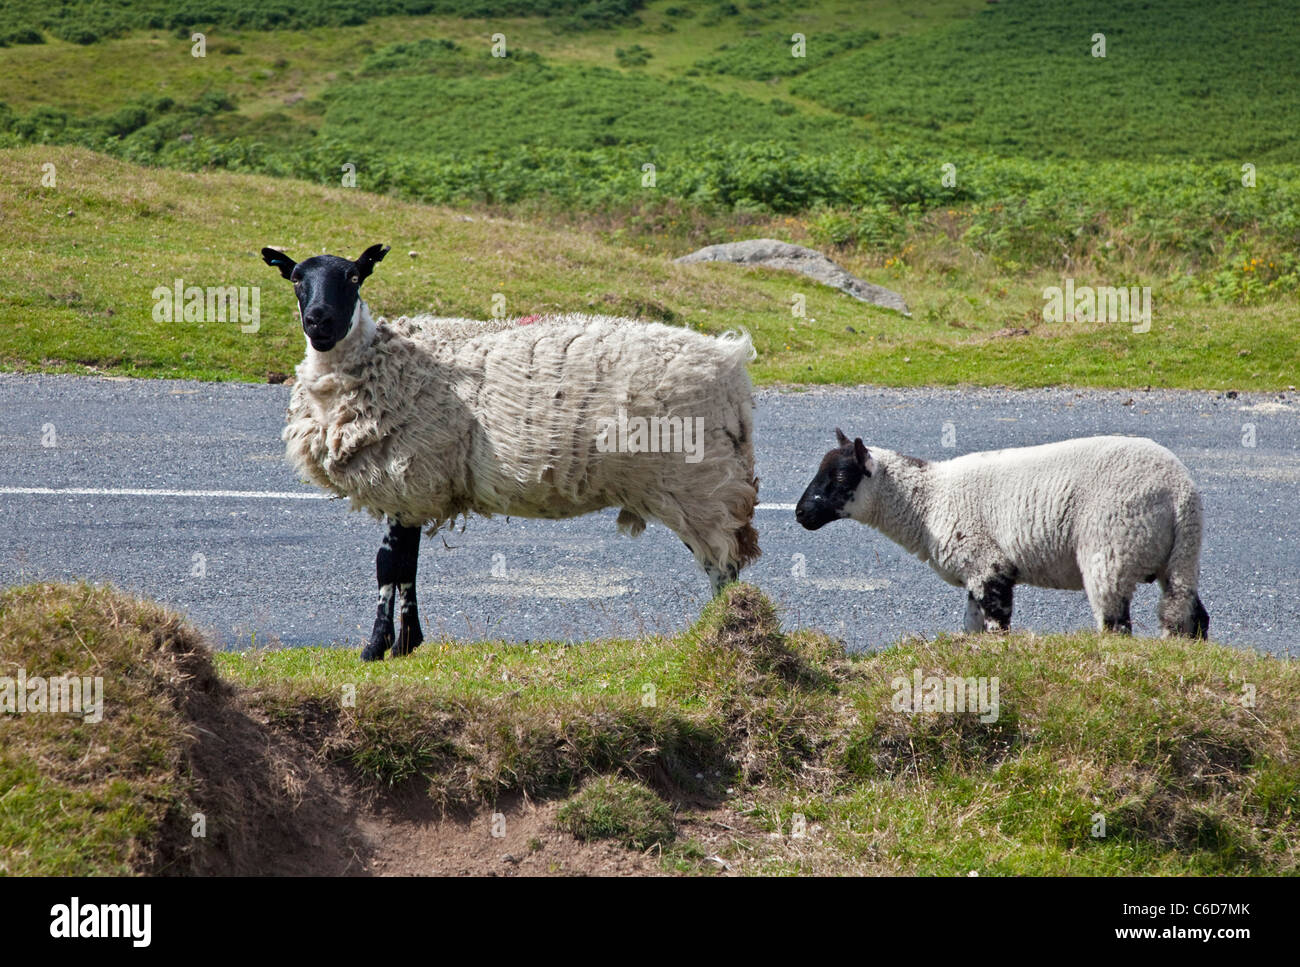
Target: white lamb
{"points": [[1099, 513], [423, 420]]}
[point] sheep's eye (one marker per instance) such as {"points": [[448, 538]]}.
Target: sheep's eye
{"points": [[353, 279]]}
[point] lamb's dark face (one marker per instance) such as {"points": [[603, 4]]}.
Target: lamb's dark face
{"points": [[328, 289], [838, 480]]}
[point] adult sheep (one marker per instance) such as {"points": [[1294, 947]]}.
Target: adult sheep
{"points": [[423, 420], [1099, 513]]}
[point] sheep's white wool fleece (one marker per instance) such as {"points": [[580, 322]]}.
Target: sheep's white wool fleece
{"points": [[1108, 511], [424, 419]]}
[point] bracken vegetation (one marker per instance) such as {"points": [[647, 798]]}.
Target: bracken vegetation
{"points": [[966, 154]]}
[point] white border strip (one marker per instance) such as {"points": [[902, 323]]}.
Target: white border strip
{"points": [[231, 494], [140, 492]]}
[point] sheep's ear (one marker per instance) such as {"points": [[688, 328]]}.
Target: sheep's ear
{"points": [[279, 260], [366, 263], [840, 438], [865, 460]]}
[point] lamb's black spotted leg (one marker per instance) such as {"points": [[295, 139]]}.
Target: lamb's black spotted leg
{"points": [[994, 597], [395, 572], [1119, 620]]}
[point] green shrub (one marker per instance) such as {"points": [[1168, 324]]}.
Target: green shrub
{"points": [[771, 55], [634, 56], [89, 21], [26, 35], [611, 808]]}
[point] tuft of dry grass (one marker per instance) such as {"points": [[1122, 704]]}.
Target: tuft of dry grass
{"points": [[83, 796], [612, 808]]}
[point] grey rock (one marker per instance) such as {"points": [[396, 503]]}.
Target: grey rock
{"points": [[795, 258]]}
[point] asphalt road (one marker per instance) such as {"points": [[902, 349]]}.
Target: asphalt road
{"points": [[224, 531]]}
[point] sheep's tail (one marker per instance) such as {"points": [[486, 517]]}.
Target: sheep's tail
{"points": [[738, 344], [1180, 610], [630, 523]]}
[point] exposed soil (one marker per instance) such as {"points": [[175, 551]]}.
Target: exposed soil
{"points": [[272, 806], [270, 803], [410, 842], [516, 839]]}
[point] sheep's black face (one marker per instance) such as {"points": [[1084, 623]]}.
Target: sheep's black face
{"points": [[842, 470], [328, 290]]}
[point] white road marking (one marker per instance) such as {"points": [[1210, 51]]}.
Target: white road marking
{"points": [[142, 492], [233, 494]]}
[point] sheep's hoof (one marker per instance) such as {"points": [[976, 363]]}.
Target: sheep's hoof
{"points": [[408, 640], [381, 637]]}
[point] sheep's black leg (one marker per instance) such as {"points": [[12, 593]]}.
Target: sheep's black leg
{"points": [[410, 634], [395, 567], [720, 577]]}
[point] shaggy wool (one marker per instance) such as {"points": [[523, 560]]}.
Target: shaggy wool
{"points": [[423, 420]]}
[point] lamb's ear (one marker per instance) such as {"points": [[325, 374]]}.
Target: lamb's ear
{"points": [[865, 460], [279, 260], [840, 438], [366, 263]]}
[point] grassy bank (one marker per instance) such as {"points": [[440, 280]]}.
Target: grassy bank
{"points": [[780, 732], [85, 255]]}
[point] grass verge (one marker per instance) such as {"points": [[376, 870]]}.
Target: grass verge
{"points": [[1106, 755]]}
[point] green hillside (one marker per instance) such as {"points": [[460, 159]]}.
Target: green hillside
{"points": [[1208, 80], [968, 155], [83, 259], [90, 21]]}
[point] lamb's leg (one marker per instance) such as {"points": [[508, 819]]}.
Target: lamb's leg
{"points": [[1181, 612], [1201, 622], [395, 560], [993, 595], [974, 620], [1109, 598], [1116, 617]]}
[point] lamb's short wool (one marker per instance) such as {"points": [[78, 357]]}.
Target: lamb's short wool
{"points": [[1100, 513], [423, 420]]}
